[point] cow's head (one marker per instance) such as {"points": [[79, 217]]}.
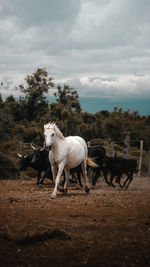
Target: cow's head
{"points": [[37, 155], [23, 163]]}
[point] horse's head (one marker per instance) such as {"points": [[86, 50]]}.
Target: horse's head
{"points": [[49, 134], [51, 130]]}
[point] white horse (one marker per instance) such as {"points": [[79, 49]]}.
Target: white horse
{"points": [[65, 153]]}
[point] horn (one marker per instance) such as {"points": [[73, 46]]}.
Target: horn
{"points": [[34, 148], [43, 147], [19, 155]]}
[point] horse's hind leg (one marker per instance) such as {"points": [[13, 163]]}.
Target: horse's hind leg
{"points": [[84, 171], [63, 181], [79, 178], [67, 172]]}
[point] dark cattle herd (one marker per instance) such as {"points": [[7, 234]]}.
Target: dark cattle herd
{"points": [[38, 160], [117, 166], [111, 168]]}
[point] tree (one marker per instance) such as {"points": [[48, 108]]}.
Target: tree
{"points": [[68, 98], [114, 126], [6, 125], [1, 102], [14, 108], [66, 111], [38, 84]]}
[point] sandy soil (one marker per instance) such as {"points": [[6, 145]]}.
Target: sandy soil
{"points": [[108, 227]]}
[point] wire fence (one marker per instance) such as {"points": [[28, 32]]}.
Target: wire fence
{"points": [[130, 149]]}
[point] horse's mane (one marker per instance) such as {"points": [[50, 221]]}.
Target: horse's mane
{"points": [[52, 125]]}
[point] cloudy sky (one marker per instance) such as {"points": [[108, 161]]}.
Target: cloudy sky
{"points": [[99, 47]]}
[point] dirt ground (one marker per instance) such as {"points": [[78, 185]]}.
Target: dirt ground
{"points": [[105, 228]]}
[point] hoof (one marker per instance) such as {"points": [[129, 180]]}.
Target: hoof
{"points": [[61, 189], [87, 190], [65, 192], [73, 181], [53, 196]]}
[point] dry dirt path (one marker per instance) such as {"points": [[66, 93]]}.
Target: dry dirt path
{"points": [[108, 227]]}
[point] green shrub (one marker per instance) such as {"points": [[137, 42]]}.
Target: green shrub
{"points": [[8, 169]]}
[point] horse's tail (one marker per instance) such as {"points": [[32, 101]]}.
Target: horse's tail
{"points": [[91, 163]]}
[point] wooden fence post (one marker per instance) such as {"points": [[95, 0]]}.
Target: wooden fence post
{"points": [[149, 163], [140, 160], [112, 149], [22, 154], [127, 145], [88, 143]]}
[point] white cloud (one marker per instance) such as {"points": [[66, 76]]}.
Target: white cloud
{"points": [[120, 86], [99, 47]]}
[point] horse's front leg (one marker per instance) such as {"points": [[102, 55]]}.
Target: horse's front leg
{"points": [[59, 173], [54, 171]]}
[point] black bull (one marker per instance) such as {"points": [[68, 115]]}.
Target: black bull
{"points": [[117, 166], [98, 154], [41, 165], [39, 160]]}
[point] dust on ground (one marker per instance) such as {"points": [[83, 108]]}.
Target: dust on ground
{"points": [[107, 227]]}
